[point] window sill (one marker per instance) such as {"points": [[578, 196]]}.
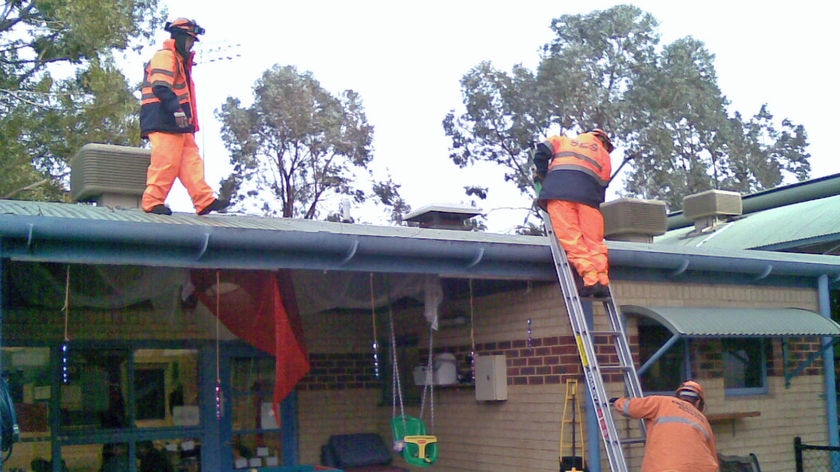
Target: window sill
{"points": [[731, 417]]}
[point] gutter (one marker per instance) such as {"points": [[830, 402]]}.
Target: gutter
{"points": [[362, 248]]}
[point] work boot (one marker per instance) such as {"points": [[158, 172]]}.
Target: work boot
{"points": [[587, 291], [217, 205], [600, 290], [594, 291], [160, 210]]}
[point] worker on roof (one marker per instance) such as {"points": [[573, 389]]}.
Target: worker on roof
{"points": [[168, 119], [679, 437], [574, 174]]}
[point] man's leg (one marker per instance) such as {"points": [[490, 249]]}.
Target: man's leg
{"points": [[191, 174], [565, 220], [592, 227], [163, 168]]}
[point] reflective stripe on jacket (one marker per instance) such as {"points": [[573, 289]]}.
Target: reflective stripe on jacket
{"points": [[576, 170], [679, 437], [584, 153], [167, 88]]}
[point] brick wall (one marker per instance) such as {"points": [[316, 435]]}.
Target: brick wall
{"points": [[531, 328]]}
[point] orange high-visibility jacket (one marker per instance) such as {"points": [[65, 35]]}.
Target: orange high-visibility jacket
{"points": [[574, 169], [679, 437], [167, 88]]}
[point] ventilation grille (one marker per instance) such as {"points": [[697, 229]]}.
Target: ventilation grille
{"points": [[629, 219], [103, 170]]}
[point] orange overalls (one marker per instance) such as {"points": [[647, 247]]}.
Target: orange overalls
{"points": [[168, 88], [572, 190], [679, 438]]}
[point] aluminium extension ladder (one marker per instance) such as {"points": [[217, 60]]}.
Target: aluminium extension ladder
{"points": [[593, 372]]}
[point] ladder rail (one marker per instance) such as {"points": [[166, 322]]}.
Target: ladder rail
{"points": [[588, 355]]}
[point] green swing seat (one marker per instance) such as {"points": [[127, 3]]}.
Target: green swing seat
{"points": [[419, 448]]}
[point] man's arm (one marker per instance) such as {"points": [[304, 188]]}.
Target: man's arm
{"points": [[542, 156]]}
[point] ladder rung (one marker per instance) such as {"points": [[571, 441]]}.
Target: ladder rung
{"points": [[633, 441], [587, 344], [605, 333]]}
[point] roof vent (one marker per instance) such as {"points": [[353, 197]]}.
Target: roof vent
{"points": [[109, 175], [630, 219], [707, 209], [442, 217]]}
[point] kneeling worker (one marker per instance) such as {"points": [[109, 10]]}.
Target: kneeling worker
{"points": [[679, 437]]}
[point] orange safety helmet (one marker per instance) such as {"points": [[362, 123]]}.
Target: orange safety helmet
{"points": [[189, 27], [692, 390], [604, 137]]}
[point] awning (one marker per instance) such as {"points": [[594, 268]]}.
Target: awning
{"points": [[727, 322]]}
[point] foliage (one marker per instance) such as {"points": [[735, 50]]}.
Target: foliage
{"points": [[662, 104], [59, 87], [298, 145]]}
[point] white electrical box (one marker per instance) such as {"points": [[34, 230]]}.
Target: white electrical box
{"points": [[491, 378]]}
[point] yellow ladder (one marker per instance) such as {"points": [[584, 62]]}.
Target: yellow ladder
{"points": [[572, 462]]}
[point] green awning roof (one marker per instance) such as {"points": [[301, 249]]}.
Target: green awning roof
{"points": [[698, 322]]}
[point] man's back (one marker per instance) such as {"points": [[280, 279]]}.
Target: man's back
{"points": [[679, 437]]}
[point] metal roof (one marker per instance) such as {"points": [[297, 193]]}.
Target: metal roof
{"points": [[84, 233], [717, 322], [814, 223]]}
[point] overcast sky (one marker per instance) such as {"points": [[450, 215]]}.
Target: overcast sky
{"points": [[406, 59]]}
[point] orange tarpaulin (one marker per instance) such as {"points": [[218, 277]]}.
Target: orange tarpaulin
{"points": [[260, 308]]}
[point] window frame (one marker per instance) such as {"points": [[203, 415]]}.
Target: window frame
{"points": [[686, 347], [763, 389]]}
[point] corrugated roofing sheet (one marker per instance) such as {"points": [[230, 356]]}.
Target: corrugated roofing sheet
{"points": [[799, 224], [737, 322], [91, 212]]}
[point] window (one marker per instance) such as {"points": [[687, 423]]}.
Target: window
{"points": [[257, 438], [148, 398], [744, 366], [669, 370]]}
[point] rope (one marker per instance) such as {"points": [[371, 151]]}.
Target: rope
{"points": [[376, 372], [430, 384], [65, 345], [218, 355], [66, 307], [396, 387], [472, 334]]}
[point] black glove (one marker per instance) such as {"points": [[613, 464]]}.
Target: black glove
{"points": [[613, 400], [538, 177]]}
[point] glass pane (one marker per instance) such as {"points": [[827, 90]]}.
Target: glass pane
{"points": [[256, 450], [110, 457], [27, 375], [252, 382], [94, 394], [743, 363], [257, 441], [666, 373], [166, 387], [184, 455]]}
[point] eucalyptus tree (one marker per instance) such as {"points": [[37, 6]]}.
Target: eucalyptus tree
{"points": [[297, 147], [662, 104], [60, 87]]}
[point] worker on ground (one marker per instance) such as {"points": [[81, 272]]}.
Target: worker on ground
{"points": [[168, 119], [679, 438], [574, 173]]}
